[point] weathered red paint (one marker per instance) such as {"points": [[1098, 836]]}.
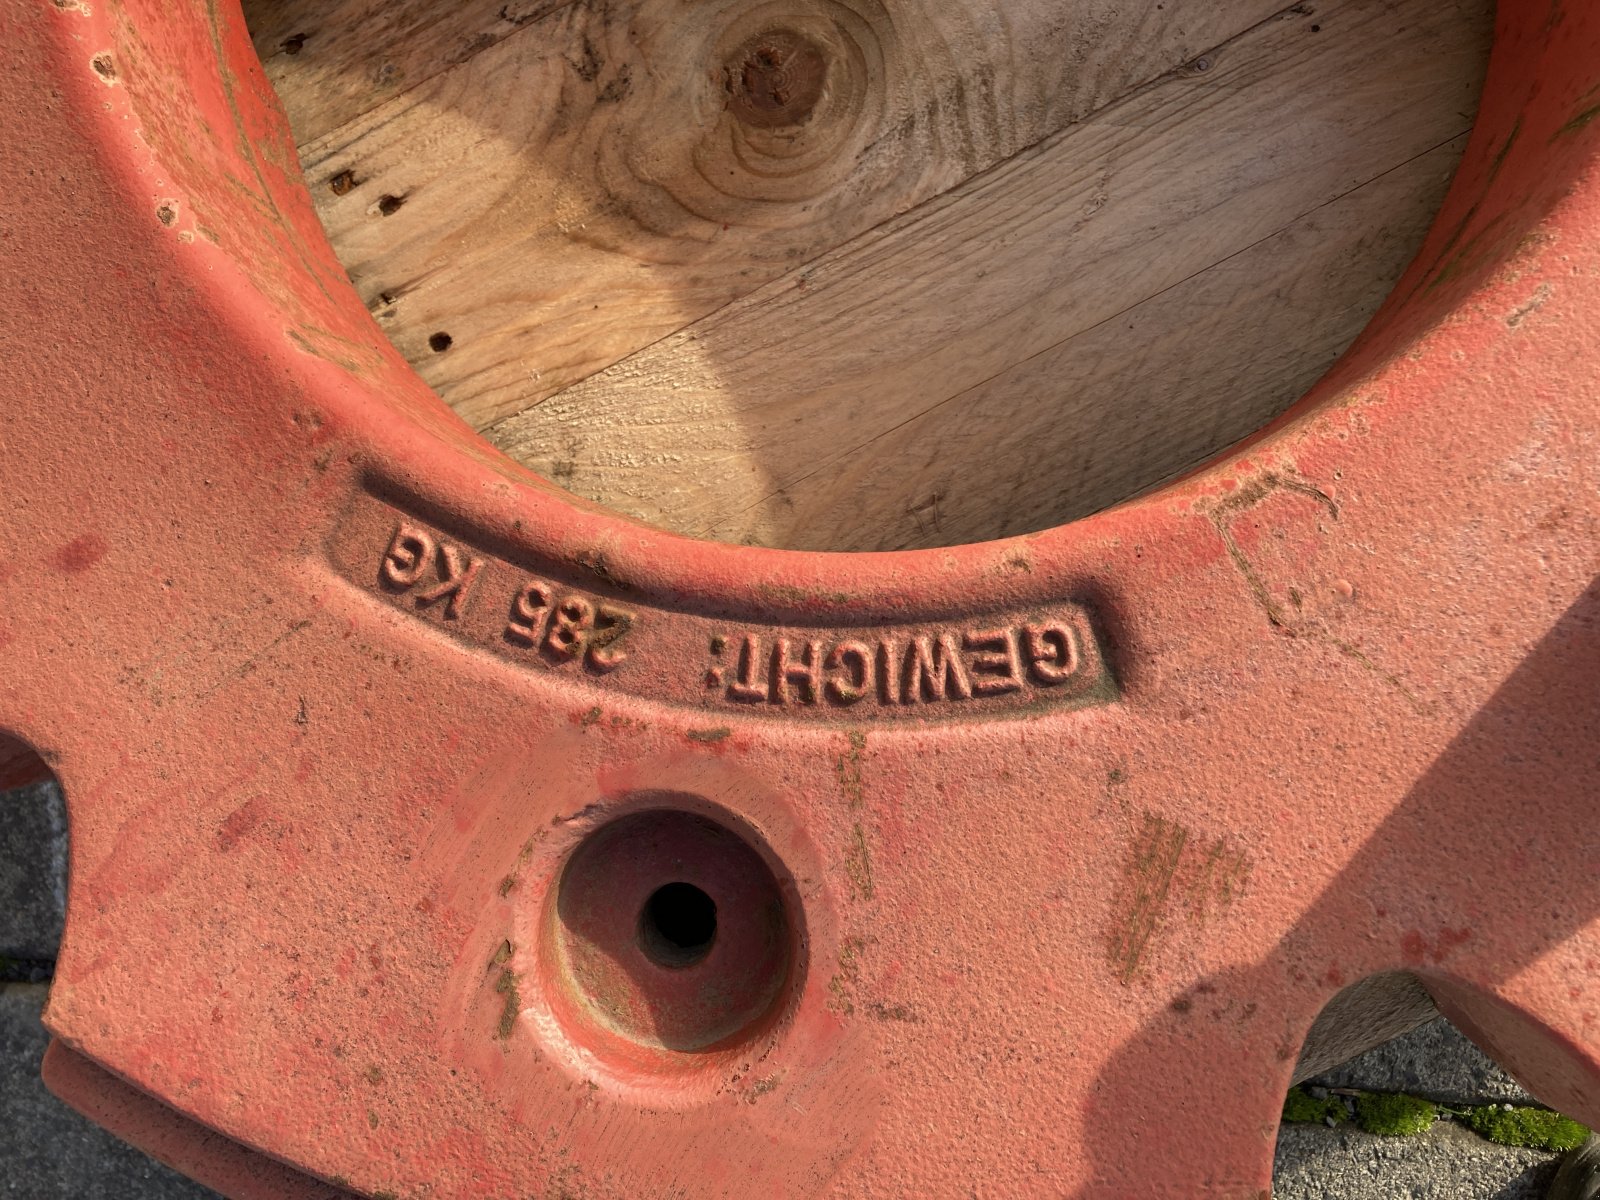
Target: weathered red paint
{"points": [[1330, 700]]}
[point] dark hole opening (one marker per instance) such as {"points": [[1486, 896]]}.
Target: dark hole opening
{"points": [[678, 925]]}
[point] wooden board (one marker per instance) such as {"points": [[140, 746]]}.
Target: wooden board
{"points": [[608, 172], [1020, 260], [1135, 397]]}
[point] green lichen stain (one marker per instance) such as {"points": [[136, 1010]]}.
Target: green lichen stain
{"points": [[1302, 1108], [848, 768], [1150, 871], [506, 985], [1394, 1114], [858, 863], [880, 1011], [1534, 1128], [843, 985], [858, 860]]}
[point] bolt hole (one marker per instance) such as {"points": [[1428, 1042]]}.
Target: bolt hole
{"points": [[389, 205], [440, 342], [293, 44], [678, 925]]}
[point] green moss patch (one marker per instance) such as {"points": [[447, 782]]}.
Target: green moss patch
{"points": [[1302, 1108], [1394, 1114], [1535, 1128]]}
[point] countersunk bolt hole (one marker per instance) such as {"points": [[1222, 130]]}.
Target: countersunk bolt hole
{"points": [[678, 925], [440, 342]]}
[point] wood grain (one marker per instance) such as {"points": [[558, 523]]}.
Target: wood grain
{"points": [[865, 274], [1125, 403], [1272, 186], [332, 60], [603, 173]]}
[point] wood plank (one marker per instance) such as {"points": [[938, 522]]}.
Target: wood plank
{"points": [[610, 172], [1139, 397], [332, 60], [713, 429]]}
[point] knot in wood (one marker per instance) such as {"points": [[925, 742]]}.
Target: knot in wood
{"points": [[776, 79]]}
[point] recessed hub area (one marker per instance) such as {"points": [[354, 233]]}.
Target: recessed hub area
{"points": [[672, 930]]}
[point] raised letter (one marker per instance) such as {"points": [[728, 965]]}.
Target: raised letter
{"points": [[569, 627], [610, 627], [455, 581], [859, 675], [1052, 653], [785, 672], [888, 671], [934, 667], [529, 608], [996, 666], [407, 556], [745, 686]]}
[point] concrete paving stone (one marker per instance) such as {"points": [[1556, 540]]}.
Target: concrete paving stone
{"points": [[49, 1152], [33, 872], [1436, 1062], [1315, 1162]]}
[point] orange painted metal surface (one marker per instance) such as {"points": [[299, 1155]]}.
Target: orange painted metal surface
{"points": [[999, 842]]}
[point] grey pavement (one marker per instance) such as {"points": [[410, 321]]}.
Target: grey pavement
{"points": [[46, 1149], [1449, 1162], [1446, 1163], [48, 1152], [1435, 1062], [33, 873]]}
